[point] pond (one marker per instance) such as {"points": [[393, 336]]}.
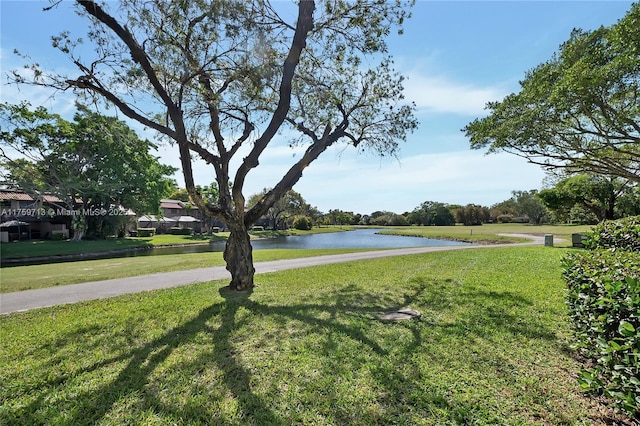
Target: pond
{"points": [[359, 238]]}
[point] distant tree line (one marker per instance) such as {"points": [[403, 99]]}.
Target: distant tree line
{"points": [[578, 199]]}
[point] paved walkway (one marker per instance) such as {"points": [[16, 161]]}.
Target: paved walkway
{"points": [[51, 296]]}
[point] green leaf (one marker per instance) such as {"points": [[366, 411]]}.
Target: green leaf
{"points": [[614, 345], [626, 329]]}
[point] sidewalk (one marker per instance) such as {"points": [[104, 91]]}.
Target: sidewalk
{"points": [[51, 296]]}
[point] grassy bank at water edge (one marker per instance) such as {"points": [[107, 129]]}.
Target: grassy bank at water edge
{"points": [[39, 248], [490, 233]]}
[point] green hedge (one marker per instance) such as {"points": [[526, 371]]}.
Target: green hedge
{"points": [[604, 305], [146, 232], [622, 234], [180, 231]]}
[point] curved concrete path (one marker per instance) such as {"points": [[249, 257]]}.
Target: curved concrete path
{"points": [[51, 296]]}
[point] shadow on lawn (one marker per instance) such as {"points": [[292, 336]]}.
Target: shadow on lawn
{"points": [[142, 362], [347, 312]]}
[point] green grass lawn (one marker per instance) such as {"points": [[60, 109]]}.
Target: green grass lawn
{"points": [[307, 347], [18, 278], [39, 276], [488, 233], [485, 233]]}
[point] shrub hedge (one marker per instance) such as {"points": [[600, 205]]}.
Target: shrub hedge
{"points": [[180, 231], [604, 305], [146, 232], [622, 234]]}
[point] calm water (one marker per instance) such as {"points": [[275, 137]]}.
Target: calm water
{"points": [[360, 238]]}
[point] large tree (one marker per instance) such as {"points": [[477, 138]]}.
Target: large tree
{"points": [[339, 217], [579, 111], [93, 164], [528, 203], [432, 213], [221, 78], [472, 214]]}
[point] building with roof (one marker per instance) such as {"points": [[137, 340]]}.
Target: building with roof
{"points": [[179, 214], [25, 216]]}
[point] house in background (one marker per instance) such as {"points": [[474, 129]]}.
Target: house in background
{"points": [[24, 217], [179, 214]]}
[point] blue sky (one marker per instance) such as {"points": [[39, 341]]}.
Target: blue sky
{"points": [[457, 56]]}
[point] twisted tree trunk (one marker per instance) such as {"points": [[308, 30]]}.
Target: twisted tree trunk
{"points": [[238, 254]]}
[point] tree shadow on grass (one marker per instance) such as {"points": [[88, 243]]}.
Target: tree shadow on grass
{"points": [[142, 361], [445, 331], [347, 314], [133, 378]]}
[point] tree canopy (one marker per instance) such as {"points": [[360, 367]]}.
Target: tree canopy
{"points": [[432, 213], [580, 110], [528, 203], [590, 198], [93, 162], [472, 214], [221, 79]]}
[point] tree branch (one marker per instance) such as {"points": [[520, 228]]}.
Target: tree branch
{"points": [[303, 27], [292, 176], [87, 84], [175, 113], [137, 53]]}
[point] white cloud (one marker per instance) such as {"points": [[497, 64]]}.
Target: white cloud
{"points": [[456, 178], [343, 179], [440, 94]]}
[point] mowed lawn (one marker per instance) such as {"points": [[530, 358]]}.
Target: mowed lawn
{"points": [[307, 347], [490, 233], [38, 248], [19, 278]]}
